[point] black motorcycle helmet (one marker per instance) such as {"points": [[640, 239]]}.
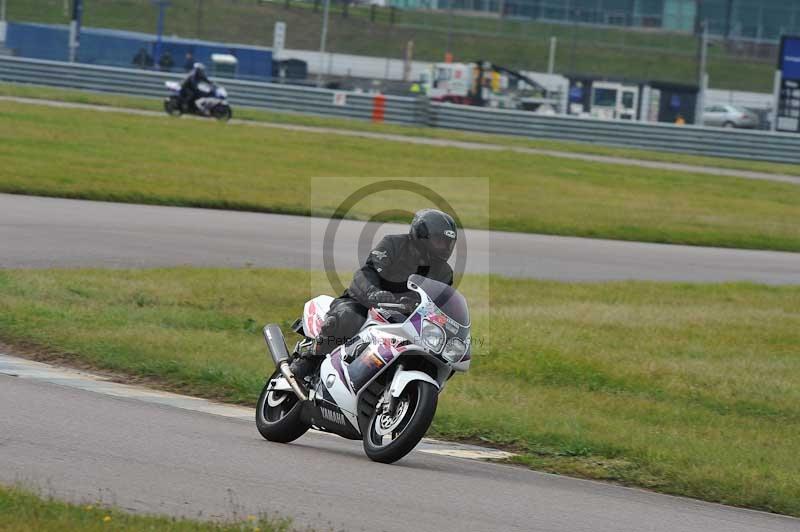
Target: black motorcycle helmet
{"points": [[434, 232]]}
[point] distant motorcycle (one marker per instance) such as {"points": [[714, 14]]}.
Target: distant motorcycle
{"points": [[382, 386], [212, 103]]}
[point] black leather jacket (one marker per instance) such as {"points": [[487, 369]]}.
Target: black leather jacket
{"points": [[389, 265], [192, 81]]}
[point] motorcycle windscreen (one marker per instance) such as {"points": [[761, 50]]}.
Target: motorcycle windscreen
{"points": [[447, 298]]}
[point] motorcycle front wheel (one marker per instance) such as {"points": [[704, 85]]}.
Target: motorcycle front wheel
{"points": [[389, 437], [278, 414], [222, 112]]}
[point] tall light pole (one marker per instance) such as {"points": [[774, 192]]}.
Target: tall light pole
{"points": [[2, 21], [199, 18], [551, 57], [162, 5], [322, 40], [75, 29], [702, 76], [448, 53]]}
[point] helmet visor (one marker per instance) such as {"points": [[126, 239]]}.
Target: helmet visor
{"points": [[442, 246]]}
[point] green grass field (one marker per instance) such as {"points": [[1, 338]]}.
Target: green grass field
{"points": [[86, 154], [518, 44], [275, 117], [682, 388], [22, 511]]}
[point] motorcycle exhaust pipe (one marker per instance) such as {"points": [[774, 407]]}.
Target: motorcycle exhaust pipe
{"points": [[280, 355]]}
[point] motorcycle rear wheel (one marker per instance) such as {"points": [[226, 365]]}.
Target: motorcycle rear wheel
{"points": [[404, 430], [172, 106], [278, 414]]}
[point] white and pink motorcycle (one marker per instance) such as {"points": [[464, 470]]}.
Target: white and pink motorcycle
{"points": [[382, 386]]}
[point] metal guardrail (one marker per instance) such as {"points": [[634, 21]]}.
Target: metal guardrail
{"points": [[719, 142], [756, 145], [272, 96]]}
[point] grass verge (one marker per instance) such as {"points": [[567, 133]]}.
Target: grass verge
{"points": [[684, 389], [256, 115], [142, 159], [22, 511]]}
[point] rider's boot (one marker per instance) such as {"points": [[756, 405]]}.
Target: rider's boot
{"points": [[306, 360]]}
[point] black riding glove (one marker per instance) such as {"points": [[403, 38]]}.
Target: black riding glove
{"points": [[409, 301], [381, 296]]}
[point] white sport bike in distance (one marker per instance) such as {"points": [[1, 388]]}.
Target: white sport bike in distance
{"points": [[213, 103], [383, 385]]}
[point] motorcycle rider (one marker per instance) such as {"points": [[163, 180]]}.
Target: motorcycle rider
{"points": [[190, 87], [423, 251]]}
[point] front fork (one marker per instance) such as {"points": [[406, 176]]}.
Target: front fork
{"points": [[389, 401]]}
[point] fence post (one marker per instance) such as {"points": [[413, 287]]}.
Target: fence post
{"points": [[378, 107], [422, 111], [777, 82]]}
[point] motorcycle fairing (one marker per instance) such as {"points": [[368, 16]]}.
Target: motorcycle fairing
{"points": [[314, 312], [373, 316], [205, 104], [336, 383], [326, 415], [454, 329], [344, 383], [372, 360]]}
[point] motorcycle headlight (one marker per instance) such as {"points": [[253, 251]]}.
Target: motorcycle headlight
{"points": [[432, 336], [454, 350]]}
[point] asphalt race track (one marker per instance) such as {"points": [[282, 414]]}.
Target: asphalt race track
{"points": [[145, 457], [155, 457], [38, 232]]}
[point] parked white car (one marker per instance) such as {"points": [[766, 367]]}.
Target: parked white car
{"points": [[724, 115]]}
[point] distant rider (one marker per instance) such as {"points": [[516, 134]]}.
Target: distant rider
{"points": [[424, 251], [190, 88]]}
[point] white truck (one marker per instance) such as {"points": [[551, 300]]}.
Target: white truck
{"points": [[485, 84]]}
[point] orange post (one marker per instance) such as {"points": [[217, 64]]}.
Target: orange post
{"points": [[378, 107]]}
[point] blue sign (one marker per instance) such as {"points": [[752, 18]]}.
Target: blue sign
{"points": [[790, 58]]}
